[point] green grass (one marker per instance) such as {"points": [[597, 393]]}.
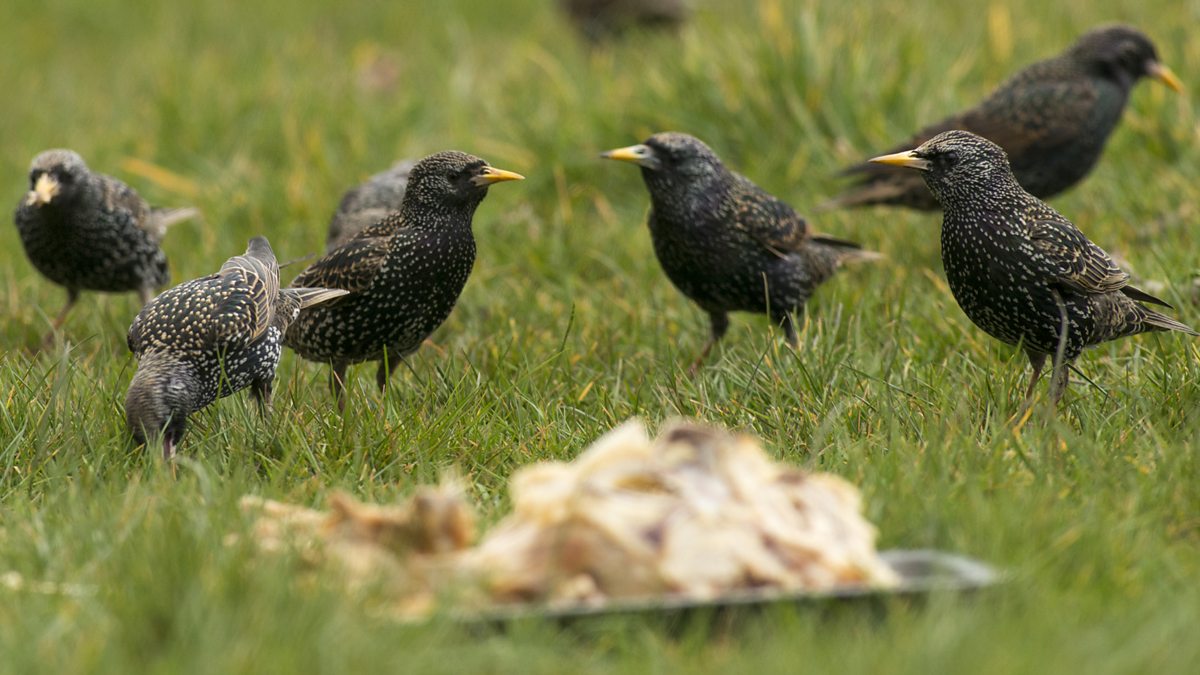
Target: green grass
{"points": [[568, 327]]}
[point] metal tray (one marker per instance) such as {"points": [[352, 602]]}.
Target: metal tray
{"points": [[922, 572]]}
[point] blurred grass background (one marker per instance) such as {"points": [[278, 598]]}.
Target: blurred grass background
{"points": [[261, 114]]}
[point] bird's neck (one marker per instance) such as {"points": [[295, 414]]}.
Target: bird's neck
{"points": [[62, 209], [688, 199], [964, 191], [439, 217]]}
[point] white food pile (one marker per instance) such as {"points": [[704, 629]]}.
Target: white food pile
{"points": [[697, 513]]}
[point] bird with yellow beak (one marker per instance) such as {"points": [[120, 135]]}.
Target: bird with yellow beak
{"points": [[1053, 120], [1019, 269], [404, 273], [726, 243]]}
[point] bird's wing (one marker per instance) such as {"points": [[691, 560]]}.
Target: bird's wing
{"points": [[353, 265], [121, 200], [769, 221], [226, 310], [247, 309], [1023, 112], [182, 318], [1073, 260], [1045, 114], [345, 225]]}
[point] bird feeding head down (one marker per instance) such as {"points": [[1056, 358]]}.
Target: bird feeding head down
{"points": [[670, 152], [157, 404], [453, 178], [56, 177], [955, 162], [1122, 54]]}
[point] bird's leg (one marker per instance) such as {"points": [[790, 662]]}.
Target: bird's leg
{"points": [[788, 323], [1037, 361], [261, 390], [386, 365], [72, 298], [146, 294], [337, 383], [1059, 381], [1061, 375], [720, 324]]}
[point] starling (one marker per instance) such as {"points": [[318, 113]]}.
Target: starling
{"points": [[368, 203], [725, 242], [208, 338], [1020, 270], [87, 231], [403, 273], [601, 20], [1053, 119]]}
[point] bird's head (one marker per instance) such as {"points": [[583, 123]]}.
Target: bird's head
{"points": [[56, 177], [1123, 54], [680, 171], [158, 403], [670, 152], [452, 180], [956, 162]]}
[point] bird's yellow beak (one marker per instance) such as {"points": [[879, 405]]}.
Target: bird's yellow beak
{"points": [[1165, 75], [906, 159], [634, 153], [44, 190], [493, 175]]}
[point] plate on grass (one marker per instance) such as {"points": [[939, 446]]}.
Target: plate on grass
{"points": [[922, 573]]}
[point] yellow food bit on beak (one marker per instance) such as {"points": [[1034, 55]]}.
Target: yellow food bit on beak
{"points": [[44, 190]]}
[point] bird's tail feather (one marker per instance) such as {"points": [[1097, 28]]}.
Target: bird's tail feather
{"points": [[1142, 296], [1164, 322], [835, 242], [166, 217], [864, 193], [260, 248], [847, 251], [293, 261], [314, 296]]}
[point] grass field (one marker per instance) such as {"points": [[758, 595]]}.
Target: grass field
{"points": [[260, 114]]}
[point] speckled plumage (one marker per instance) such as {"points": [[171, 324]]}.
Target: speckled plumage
{"points": [[87, 231], [1018, 268], [404, 273], [726, 243], [208, 338], [600, 20], [1053, 119], [366, 204]]}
